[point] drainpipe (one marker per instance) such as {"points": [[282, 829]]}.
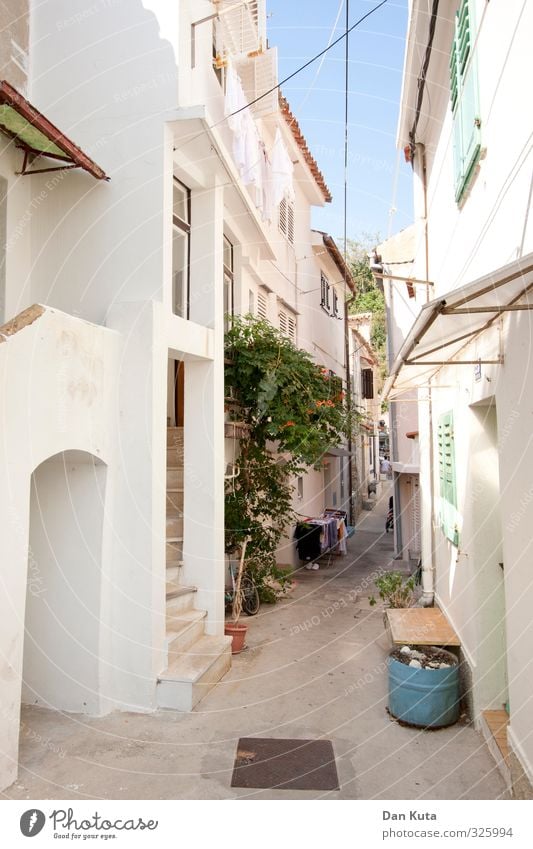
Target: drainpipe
{"points": [[428, 569]]}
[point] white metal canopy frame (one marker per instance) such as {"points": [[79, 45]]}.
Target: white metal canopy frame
{"points": [[448, 324]]}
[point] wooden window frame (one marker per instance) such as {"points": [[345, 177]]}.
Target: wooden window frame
{"points": [[229, 278], [185, 227], [367, 384]]}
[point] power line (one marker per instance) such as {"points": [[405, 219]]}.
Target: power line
{"points": [[345, 34]]}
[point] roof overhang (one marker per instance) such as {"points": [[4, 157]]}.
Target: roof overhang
{"points": [[448, 324], [311, 166], [37, 136], [322, 240], [418, 29]]}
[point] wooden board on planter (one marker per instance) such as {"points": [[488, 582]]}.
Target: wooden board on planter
{"points": [[421, 626]]}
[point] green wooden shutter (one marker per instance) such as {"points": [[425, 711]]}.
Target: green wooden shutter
{"points": [[464, 101], [447, 477]]}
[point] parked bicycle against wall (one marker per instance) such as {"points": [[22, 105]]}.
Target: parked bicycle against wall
{"points": [[249, 591]]}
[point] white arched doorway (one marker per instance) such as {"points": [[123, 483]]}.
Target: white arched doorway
{"points": [[63, 617]]}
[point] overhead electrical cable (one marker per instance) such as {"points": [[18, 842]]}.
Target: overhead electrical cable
{"points": [[291, 76]]}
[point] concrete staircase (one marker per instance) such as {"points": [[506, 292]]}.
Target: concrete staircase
{"points": [[195, 661]]}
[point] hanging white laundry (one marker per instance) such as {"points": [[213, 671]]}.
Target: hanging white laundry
{"points": [[234, 101], [282, 171], [247, 151]]}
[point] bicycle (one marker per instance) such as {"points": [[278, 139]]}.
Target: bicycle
{"points": [[249, 592]]}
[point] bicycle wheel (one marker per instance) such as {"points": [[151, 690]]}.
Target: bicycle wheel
{"points": [[250, 596]]}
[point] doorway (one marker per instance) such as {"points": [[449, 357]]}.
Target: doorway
{"points": [[487, 563], [175, 393], [63, 621]]}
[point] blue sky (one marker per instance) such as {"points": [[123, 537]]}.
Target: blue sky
{"points": [[300, 29]]}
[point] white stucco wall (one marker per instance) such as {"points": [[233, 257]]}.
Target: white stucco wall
{"points": [[56, 379]]}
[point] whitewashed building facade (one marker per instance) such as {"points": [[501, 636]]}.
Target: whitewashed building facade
{"points": [[467, 131]]}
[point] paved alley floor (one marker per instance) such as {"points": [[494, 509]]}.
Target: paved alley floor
{"points": [[314, 668]]}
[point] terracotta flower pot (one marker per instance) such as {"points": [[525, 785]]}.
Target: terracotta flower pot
{"points": [[238, 634]]}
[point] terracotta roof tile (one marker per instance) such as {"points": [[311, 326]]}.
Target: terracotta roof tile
{"points": [[302, 144]]}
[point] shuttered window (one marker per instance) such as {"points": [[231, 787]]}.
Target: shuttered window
{"points": [[324, 292], [367, 383], [287, 324], [464, 100], [335, 303], [447, 480], [286, 219], [291, 328], [261, 305]]}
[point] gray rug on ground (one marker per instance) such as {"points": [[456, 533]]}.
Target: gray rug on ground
{"points": [[270, 763]]}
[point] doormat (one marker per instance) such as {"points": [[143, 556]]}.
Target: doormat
{"points": [[270, 763]]}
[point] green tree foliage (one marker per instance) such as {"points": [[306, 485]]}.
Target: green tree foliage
{"points": [[369, 297], [293, 411]]}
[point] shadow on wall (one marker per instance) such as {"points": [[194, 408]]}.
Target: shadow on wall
{"points": [[103, 74]]}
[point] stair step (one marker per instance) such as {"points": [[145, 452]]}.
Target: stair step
{"points": [[174, 478], [175, 458], [494, 729], [175, 502], [172, 573], [174, 527], [190, 677], [179, 598], [174, 436], [183, 630], [174, 560], [174, 552]]}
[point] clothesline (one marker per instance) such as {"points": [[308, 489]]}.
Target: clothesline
{"points": [[270, 176]]}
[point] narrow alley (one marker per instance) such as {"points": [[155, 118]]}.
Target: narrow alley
{"points": [[314, 669]]}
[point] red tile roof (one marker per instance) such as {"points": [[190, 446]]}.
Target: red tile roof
{"points": [[302, 144]]}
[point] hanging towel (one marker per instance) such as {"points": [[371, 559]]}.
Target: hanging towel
{"points": [[234, 101]]}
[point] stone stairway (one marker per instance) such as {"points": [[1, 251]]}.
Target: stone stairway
{"points": [[195, 661]]}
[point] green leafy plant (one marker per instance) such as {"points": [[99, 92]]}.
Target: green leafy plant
{"points": [[293, 411], [394, 590]]}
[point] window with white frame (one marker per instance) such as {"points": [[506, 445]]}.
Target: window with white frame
{"points": [[181, 246], [286, 219], [228, 282], [283, 321]]}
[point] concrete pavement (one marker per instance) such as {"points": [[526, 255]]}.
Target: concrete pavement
{"points": [[314, 668]]}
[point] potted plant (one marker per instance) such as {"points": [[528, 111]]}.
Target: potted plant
{"points": [[235, 629], [394, 590]]}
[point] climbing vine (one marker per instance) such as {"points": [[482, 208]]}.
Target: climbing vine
{"points": [[291, 411]]}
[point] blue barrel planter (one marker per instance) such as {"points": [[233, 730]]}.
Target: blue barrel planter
{"points": [[426, 698]]}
